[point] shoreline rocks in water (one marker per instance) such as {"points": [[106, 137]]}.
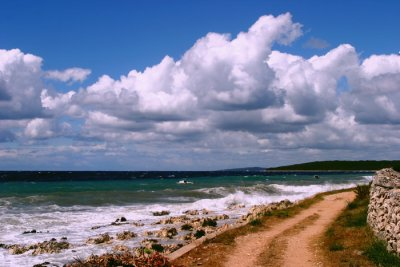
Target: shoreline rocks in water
{"points": [[125, 235], [52, 246], [117, 222], [260, 210], [161, 213], [30, 232], [196, 212], [166, 232], [178, 231], [103, 238]]}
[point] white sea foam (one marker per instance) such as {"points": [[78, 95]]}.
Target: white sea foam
{"points": [[368, 177]]}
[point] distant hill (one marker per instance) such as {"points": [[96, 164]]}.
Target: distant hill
{"points": [[342, 165]]}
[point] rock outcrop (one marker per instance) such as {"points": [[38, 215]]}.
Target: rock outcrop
{"points": [[52, 246], [103, 238], [125, 235], [384, 208], [259, 211]]}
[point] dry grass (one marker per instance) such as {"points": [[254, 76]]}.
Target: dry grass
{"points": [[350, 242]]}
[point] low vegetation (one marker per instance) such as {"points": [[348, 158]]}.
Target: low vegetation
{"points": [[127, 259], [199, 233], [367, 165], [209, 222], [350, 242], [186, 227]]}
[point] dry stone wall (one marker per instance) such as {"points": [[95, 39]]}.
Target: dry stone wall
{"points": [[384, 208]]}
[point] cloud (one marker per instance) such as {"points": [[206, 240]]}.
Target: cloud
{"points": [[45, 128], [227, 100], [218, 75], [374, 90], [20, 85], [316, 43], [68, 75]]}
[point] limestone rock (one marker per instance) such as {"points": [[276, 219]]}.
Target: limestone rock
{"points": [[125, 235], [161, 213], [103, 238]]}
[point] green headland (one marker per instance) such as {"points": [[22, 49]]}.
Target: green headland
{"points": [[340, 165]]}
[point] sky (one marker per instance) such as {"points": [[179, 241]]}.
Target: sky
{"points": [[197, 85]]}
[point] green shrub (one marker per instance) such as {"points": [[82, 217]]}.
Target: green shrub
{"points": [[336, 247], [209, 222], [362, 191], [268, 213], [199, 233], [282, 214], [352, 205], [255, 222], [186, 227], [330, 232], [380, 256], [157, 247], [278, 213], [356, 219]]}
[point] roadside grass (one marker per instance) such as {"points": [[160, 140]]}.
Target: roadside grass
{"points": [[377, 253], [213, 251], [350, 242]]}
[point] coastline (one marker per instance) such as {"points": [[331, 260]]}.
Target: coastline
{"points": [[247, 232], [117, 232]]}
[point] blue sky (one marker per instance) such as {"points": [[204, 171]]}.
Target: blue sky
{"points": [[115, 37], [255, 115]]}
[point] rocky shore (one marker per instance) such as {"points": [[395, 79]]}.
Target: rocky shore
{"points": [[173, 232]]}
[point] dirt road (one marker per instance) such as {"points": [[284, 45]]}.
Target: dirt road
{"points": [[291, 242]]}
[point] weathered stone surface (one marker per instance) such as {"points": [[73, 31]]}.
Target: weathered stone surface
{"points": [[125, 235], [121, 248], [30, 232], [387, 178], [17, 249], [384, 208], [121, 219], [166, 232], [161, 213], [192, 212], [174, 220], [103, 238], [149, 242], [138, 224], [168, 249], [51, 246], [258, 211]]}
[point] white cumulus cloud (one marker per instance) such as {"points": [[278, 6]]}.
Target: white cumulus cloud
{"points": [[68, 75]]}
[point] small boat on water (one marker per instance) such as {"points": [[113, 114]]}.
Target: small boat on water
{"points": [[184, 182]]}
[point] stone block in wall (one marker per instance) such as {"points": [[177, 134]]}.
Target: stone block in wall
{"points": [[387, 178]]}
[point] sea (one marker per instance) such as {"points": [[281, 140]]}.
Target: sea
{"points": [[80, 205]]}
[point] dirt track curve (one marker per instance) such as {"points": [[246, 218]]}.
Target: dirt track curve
{"points": [[291, 242]]}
